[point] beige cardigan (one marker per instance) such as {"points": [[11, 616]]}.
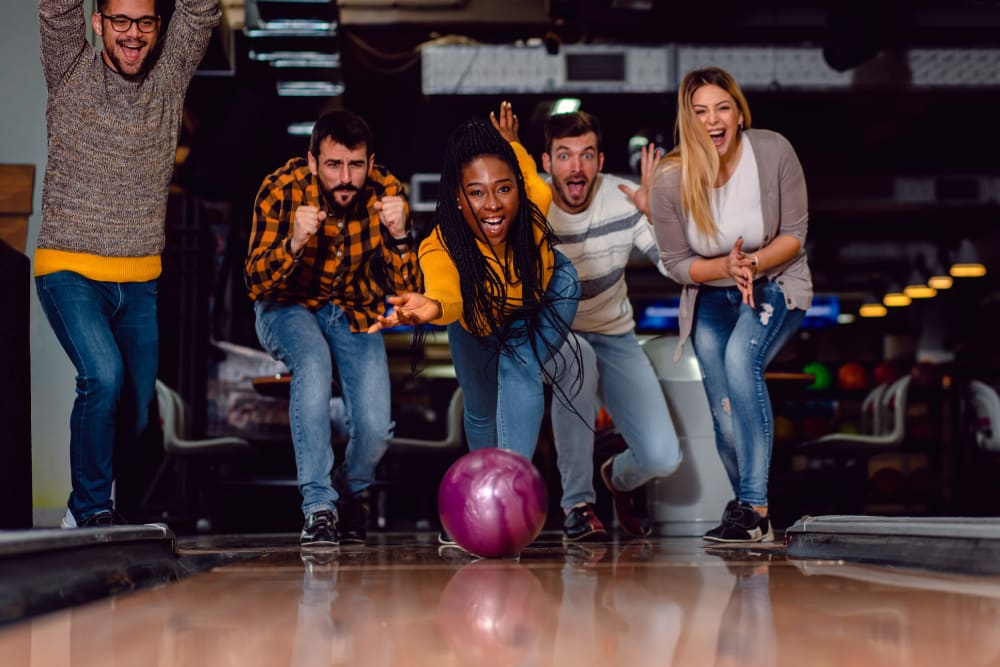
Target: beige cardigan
{"points": [[784, 209]]}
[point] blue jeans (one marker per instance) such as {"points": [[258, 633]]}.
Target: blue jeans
{"points": [[618, 375], [502, 388], [310, 344], [110, 333], [734, 344]]}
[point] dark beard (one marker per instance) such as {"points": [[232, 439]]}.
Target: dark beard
{"points": [[138, 76], [334, 207]]}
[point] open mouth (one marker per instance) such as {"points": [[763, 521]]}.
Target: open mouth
{"points": [[718, 137], [576, 188], [132, 52], [492, 224]]}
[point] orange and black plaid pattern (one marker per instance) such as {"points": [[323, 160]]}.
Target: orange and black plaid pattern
{"points": [[348, 262]]}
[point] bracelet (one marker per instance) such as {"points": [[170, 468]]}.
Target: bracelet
{"points": [[754, 265]]}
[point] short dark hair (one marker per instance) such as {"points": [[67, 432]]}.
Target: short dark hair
{"points": [[575, 124], [343, 127], [103, 4]]}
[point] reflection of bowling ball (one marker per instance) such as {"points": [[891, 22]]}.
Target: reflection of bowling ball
{"points": [[821, 373], [493, 613], [852, 375], [493, 502], [784, 430], [886, 372]]}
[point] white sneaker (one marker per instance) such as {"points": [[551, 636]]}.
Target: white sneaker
{"points": [[68, 520]]}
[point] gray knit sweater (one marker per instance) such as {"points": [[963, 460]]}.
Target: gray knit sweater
{"points": [[111, 142]]}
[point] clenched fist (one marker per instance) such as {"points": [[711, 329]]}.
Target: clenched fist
{"points": [[392, 214], [305, 225]]}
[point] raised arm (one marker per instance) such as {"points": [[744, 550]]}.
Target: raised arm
{"points": [[507, 125], [63, 30], [187, 35]]}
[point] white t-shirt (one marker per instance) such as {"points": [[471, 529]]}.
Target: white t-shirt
{"points": [[736, 209]]}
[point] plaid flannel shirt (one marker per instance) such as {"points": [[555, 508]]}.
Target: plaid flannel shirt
{"points": [[348, 262]]}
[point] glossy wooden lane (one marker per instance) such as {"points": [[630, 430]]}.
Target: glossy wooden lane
{"points": [[400, 601]]}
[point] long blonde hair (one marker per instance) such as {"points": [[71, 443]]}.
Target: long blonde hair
{"points": [[694, 151]]}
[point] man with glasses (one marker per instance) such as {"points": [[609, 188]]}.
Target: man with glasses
{"points": [[113, 118]]}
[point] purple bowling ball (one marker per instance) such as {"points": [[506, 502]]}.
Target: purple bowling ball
{"points": [[492, 502]]}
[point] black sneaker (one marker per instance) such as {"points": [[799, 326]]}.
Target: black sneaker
{"points": [[741, 523], [352, 522], [715, 532], [583, 524], [630, 506], [320, 530]]}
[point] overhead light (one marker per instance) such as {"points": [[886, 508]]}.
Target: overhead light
{"points": [[939, 278], [940, 282], [916, 288], [872, 310], [967, 264], [565, 105], [895, 297], [872, 307]]}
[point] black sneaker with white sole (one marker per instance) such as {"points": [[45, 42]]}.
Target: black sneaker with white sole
{"points": [[741, 523]]}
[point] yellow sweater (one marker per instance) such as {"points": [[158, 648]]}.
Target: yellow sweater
{"points": [[441, 277]]}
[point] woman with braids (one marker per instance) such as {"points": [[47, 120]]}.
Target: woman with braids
{"points": [[492, 276]]}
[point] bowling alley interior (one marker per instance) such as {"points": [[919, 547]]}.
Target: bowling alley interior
{"points": [[883, 483]]}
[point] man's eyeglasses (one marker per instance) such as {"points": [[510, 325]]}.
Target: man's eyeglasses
{"points": [[122, 23]]}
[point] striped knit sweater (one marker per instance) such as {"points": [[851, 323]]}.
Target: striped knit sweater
{"points": [[600, 241], [111, 144]]}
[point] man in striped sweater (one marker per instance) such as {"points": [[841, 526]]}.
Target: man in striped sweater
{"points": [[113, 118], [598, 225]]}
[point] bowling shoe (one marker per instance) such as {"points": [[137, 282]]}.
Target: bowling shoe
{"points": [[320, 530], [630, 506], [582, 523], [353, 521], [741, 523], [102, 519]]}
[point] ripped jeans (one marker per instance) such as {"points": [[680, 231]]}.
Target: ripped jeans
{"points": [[734, 344]]}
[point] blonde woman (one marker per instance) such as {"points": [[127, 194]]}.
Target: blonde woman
{"points": [[729, 209]]}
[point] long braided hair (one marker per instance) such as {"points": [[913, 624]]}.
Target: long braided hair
{"points": [[486, 308]]}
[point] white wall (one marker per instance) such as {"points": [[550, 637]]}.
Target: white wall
{"points": [[22, 141]]}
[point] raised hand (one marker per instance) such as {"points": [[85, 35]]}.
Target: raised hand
{"points": [[410, 308], [305, 224], [392, 214], [505, 122], [648, 159]]}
